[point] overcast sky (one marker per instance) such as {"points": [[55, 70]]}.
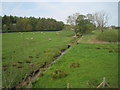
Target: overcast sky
{"points": [[60, 10]]}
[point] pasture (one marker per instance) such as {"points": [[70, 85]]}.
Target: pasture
{"points": [[95, 62], [83, 66], [109, 35], [23, 52]]}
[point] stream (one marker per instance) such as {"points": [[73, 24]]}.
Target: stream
{"points": [[29, 79]]}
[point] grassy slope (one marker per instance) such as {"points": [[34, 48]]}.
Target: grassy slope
{"points": [[94, 65], [35, 47]]}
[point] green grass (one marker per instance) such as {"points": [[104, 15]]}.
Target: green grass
{"points": [[88, 37], [96, 61], [82, 66], [109, 35], [35, 47]]}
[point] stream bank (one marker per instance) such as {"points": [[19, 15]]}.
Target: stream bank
{"points": [[29, 79]]}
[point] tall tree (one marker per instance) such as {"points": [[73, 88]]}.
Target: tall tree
{"points": [[33, 22], [23, 25], [72, 21], [81, 24], [84, 25], [11, 19]]}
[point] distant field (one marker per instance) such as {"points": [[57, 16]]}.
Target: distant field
{"points": [[109, 35], [26, 51], [95, 61]]}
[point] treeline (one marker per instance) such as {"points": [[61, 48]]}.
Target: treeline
{"points": [[14, 24]]}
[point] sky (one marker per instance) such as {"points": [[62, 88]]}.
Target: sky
{"points": [[60, 10]]}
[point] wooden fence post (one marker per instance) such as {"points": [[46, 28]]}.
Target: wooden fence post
{"points": [[103, 84]]}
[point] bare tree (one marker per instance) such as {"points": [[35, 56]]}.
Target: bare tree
{"points": [[101, 19]]}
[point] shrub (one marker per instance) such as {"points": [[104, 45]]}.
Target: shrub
{"points": [[109, 35], [74, 65], [57, 74]]}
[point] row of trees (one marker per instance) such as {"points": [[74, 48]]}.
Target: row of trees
{"points": [[14, 23], [83, 24]]}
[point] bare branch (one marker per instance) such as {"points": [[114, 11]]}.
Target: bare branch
{"points": [[101, 19]]}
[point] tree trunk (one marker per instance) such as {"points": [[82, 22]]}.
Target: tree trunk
{"points": [[101, 30]]}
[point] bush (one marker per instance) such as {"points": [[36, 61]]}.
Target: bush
{"points": [[109, 35], [57, 74], [74, 65]]}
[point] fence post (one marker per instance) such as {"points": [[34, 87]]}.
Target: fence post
{"points": [[68, 86]]}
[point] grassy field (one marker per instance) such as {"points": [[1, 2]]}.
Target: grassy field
{"points": [[94, 63], [83, 66], [24, 52], [109, 35]]}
